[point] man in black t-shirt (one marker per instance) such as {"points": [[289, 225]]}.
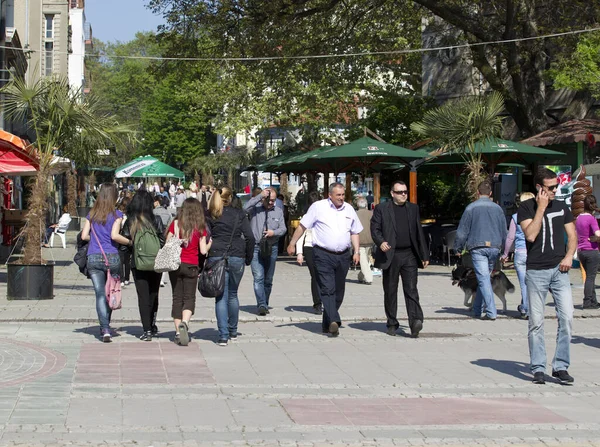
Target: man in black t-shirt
{"points": [[545, 222]]}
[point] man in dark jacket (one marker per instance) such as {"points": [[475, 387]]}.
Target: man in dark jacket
{"points": [[401, 249]]}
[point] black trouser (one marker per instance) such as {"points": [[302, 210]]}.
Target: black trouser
{"points": [[589, 260], [184, 281], [331, 272], [314, 286], [404, 264], [147, 285], [125, 264]]}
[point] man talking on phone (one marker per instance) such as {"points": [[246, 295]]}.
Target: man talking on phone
{"points": [[545, 222]]}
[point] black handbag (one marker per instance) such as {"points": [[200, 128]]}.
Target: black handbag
{"points": [[265, 245], [211, 283]]}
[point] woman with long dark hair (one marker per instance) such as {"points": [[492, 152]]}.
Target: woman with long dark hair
{"points": [[304, 252], [224, 218], [102, 229], [587, 251], [190, 227], [140, 217]]}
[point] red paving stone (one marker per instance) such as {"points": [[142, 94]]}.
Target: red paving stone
{"points": [[142, 363], [426, 411]]}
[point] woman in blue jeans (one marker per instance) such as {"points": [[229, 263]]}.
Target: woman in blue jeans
{"points": [[516, 235], [239, 251], [102, 229]]}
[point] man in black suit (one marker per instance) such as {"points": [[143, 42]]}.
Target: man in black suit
{"points": [[401, 249]]}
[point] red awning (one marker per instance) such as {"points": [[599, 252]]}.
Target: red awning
{"points": [[14, 156]]}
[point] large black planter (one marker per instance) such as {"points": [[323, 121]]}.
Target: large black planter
{"points": [[74, 225], [82, 211], [30, 282]]}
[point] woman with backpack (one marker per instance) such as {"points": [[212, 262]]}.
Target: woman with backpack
{"points": [[189, 226], [102, 229], [146, 231], [227, 225], [124, 251]]}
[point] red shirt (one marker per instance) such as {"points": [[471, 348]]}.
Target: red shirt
{"points": [[189, 252]]}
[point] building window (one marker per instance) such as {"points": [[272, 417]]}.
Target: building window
{"points": [[49, 26], [49, 61]]}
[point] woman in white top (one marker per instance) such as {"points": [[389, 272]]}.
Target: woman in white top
{"points": [[304, 251]]}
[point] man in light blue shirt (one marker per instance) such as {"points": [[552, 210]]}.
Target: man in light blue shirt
{"points": [[267, 222], [335, 230]]}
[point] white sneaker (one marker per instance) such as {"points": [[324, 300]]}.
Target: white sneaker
{"points": [[122, 284], [126, 283]]}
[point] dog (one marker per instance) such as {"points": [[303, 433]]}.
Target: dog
{"points": [[465, 278]]}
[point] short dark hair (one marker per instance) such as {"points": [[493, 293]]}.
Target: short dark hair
{"points": [[543, 174], [484, 188], [398, 182]]}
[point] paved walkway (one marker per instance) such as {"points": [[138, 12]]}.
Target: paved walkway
{"points": [[463, 382]]}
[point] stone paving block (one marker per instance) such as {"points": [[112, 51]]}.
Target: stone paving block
{"points": [[203, 412], [149, 413], [152, 436], [95, 412]]}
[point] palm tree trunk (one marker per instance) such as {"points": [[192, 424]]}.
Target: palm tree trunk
{"points": [[36, 218], [71, 194]]}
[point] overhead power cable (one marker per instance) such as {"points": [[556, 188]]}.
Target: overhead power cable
{"points": [[324, 56]]}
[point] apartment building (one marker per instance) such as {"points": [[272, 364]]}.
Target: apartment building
{"points": [[45, 35], [81, 43]]}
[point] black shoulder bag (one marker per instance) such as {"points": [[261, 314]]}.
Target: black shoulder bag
{"points": [[266, 243], [211, 283]]}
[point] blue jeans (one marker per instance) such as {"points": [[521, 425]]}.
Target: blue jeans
{"points": [[539, 282], [484, 259], [97, 271], [263, 270], [227, 306], [520, 267]]}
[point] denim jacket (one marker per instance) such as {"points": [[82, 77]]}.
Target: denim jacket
{"points": [[482, 225]]}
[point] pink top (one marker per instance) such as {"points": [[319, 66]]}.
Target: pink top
{"points": [[586, 225]]}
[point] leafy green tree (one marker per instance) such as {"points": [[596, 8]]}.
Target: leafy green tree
{"points": [[458, 125], [580, 70], [264, 28]]}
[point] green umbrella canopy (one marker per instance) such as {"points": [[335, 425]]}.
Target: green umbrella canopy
{"points": [[497, 151], [147, 166], [365, 154]]}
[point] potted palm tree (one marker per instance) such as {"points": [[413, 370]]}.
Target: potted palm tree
{"points": [[458, 125], [59, 121]]}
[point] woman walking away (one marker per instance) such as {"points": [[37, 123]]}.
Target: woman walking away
{"points": [[190, 227], [226, 225], [304, 252], [150, 232], [102, 230], [587, 251], [516, 235], [124, 251]]}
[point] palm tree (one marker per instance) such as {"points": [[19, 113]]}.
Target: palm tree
{"points": [[458, 125], [61, 121]]}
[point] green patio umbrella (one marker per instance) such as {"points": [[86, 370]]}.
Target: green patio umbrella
{"points": [[497, 151], [147, 166]]}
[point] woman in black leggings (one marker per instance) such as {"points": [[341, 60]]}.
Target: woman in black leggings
{"points": [[147, 282]]}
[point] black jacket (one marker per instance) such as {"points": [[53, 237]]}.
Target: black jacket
{"points": [[160, 232], [220, 233], [81, 255], [384, 228]]}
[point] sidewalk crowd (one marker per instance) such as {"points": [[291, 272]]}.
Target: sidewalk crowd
{"points": [[159, 231]]}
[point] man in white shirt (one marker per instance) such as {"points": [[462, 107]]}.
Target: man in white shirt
{"points": [[335, 230]]}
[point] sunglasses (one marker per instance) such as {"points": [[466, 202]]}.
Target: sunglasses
{"points": [[552, 187], [402, 192]]}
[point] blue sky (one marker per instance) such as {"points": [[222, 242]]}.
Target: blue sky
{"points": [[119, 19]]}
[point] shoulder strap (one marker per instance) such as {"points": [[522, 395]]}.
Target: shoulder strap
{"points": [[99, 244], [235, 225], [266, 218]]}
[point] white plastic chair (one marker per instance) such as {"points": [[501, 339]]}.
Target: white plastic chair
{"points": [[61, 232]]}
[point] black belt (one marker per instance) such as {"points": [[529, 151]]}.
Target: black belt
{"points": [[331, 252]]}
